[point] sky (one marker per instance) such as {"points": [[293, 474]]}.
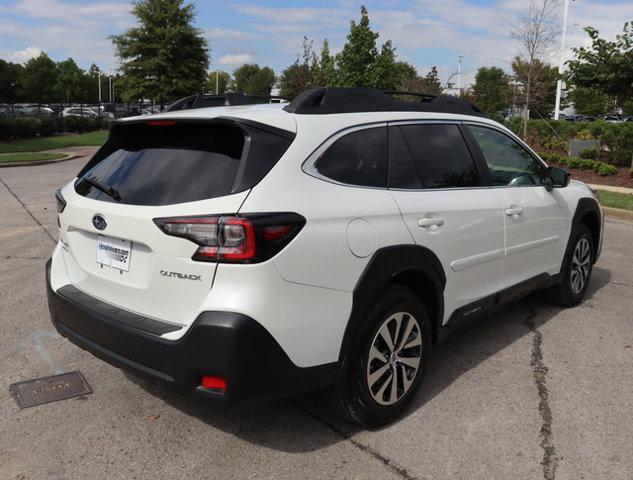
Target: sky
{"points": [[424, 32]]}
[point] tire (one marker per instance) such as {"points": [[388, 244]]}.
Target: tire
{"points": [[366, 394], [576, 270]]}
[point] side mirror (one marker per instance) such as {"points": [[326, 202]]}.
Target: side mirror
{"points": [[558, 177]]}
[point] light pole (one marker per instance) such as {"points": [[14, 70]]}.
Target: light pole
{"points": [[561, 64], [459, 76], [99, 76]]}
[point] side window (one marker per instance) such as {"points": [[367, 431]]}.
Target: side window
{"points": [[436, 154], [510, 164], [358, 158]]}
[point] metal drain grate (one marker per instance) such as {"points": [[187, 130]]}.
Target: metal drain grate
{"points": [[49, 389]]}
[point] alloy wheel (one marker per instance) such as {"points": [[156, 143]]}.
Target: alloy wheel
{"points": [[394, 358], [580, 265]]}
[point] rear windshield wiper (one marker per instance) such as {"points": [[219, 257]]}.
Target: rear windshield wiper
{"points": [[107, 189]]}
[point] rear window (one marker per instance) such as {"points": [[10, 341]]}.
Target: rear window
{"points": [[176, 162]]}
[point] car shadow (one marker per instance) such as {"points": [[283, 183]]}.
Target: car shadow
{"points": [[305, 423]]}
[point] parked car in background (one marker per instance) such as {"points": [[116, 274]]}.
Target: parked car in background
{"points": [[79, 112]]}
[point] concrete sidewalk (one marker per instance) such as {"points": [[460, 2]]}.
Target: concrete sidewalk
{"points": [[610, 188]]}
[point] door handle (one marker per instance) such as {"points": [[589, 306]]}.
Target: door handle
{"points": [[430, 222], [514, 211]]}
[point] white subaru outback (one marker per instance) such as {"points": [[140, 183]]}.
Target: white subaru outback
{"points": [[250, 251]]}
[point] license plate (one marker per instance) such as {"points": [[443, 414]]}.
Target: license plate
{"points": [[114, 252]]}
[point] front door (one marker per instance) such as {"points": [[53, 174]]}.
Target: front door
{"points": [[535, 218]]}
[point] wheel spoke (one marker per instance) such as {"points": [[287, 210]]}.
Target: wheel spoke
{"points": [[375, 354], [386, 336], [406, 383], [396, 335], [417, 341], [375, 376], [412, 362], [380, 394], [407, 332], [393, 396]]}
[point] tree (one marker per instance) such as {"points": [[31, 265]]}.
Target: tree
{"points": [[38, 79], [605, 66], [10, 77], [589, 101], [492, 89], [73, 84], [360, 64], [326, 67], [164, 56], [253, 80], [218, 79], [542, 78], [305, 73], [538, 27], [429, 84]]}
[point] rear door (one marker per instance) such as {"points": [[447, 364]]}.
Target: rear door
{"points": [[447, 208], [112, 248], [536, 218]]}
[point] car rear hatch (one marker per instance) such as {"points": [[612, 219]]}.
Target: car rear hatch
{"points": [[112, 246]]}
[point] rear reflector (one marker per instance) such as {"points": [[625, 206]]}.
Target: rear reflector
{"points": [[160, 123], [215, 383]]}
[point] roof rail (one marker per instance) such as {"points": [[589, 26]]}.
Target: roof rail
{"points": [[202, 100], [349, 100]]}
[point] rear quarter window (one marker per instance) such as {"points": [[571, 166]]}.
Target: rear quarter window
{"points": [[176, 162]]}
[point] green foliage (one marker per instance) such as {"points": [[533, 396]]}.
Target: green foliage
{"points": [[252, 79], [587, 164], [590, 153], [28, 157], [223, 80], [97, 137], [164, 56], [542, 79], [492, 89], [84, 124], [631, 173], [12, 128], [616, 199], [361, 64], [38, 79], [605, 66], [10, 75], [305, 73], [573, 162], [74, 84], [607, 170], [623, 158], [589, 101]]}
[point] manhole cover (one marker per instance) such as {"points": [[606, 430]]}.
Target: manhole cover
{"points": [[49, 389]]}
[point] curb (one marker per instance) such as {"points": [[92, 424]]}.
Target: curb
{"points": [[624, 216], [610, 188], [71, 156]]}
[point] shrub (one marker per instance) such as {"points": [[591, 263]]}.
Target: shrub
{"points": [[589, 153], [623, 158], [586, 164], [573, 162], [81, 124], [49, 125], [631, 173], [564, 161], [607, 170]]}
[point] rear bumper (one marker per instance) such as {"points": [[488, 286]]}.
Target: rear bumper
{"points": [[224, 344]]}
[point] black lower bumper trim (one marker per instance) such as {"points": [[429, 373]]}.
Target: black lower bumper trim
{"points": [[224, 344]]}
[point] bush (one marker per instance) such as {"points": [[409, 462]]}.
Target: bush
{"points": [[585, 135], [589, 153], [631, 173], [623, 158], [82, 124], [607, 170], [27, 127], [49, 125], [564, 161], [586, 164], [573, 162]]}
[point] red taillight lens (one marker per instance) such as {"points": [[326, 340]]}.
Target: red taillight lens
{"points": [[243, 239], [215, 383], [160, 123]]}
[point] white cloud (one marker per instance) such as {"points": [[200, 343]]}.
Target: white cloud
{"points": [[22, 56], [235, 60], [215, 33]]}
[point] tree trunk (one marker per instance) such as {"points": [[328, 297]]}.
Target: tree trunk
{"points": [[527, 102]]}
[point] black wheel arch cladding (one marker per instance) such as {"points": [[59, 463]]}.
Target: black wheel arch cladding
{"points": [[588, 213], [392, 265]]}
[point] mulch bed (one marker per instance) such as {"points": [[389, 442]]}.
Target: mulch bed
{"points": [[621, 179]]}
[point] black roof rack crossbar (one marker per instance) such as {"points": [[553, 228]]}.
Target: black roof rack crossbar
{"points": [[201, 100], [350, 100]]}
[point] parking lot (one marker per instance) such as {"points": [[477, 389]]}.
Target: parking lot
{"points": [[531, 392]]}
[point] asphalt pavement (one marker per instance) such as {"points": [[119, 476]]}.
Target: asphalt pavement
{"points": [[532, 392]]}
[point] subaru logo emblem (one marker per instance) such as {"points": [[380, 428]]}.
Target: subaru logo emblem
{"points": [[99, 222]]}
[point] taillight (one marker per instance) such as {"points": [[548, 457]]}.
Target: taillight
{"points": [[61, 203], [235, 239]]}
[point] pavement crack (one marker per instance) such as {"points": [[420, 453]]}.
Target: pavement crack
{"points": [[400, 471], [27, 210], [539, 371]]}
